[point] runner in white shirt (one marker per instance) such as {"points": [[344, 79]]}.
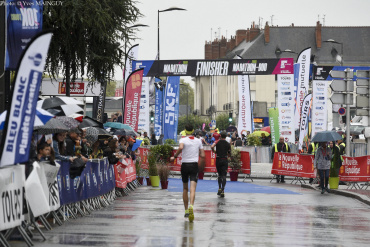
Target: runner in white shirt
{"points": [[191, 149]]}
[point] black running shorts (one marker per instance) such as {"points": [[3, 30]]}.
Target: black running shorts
{"points": [[189, 170], [221, 166]]}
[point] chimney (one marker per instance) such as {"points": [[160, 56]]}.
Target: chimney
{"points": [[267, 33], [241, 34], [208, 50], [318, 34]]}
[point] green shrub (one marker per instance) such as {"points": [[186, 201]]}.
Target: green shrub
{"points": [[254, 140], [234, 159]]}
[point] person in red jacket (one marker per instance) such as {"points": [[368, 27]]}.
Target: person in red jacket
{"points": [[216, 135]]}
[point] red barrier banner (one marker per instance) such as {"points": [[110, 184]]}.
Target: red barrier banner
{"points": [[210, 161], [295, 165], [246, 162], [144, 152], [176, 165], [356, 169], [120, 175], [130, 170]]}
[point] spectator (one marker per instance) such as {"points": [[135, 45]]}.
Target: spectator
{"points": [[216, 135], [280, 147], [160, 141], [112, 152], [73, 147], [43, 152], [96, 151], [228, 138], [120, 117], [153, 140], [264, 140], [322, 163], [60, 147], [238, 142]]}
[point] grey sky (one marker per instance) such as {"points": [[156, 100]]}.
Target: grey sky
{"points": [[183, 33]]}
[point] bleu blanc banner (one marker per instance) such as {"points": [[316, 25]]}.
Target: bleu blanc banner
{"points": [[171, 108], [21, 116]]}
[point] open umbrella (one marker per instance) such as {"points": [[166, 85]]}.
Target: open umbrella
{"points": [[123, 132], [326, 136], [57, 102], [259, 133], [51, 127], [68, 121], [90, 122], [94, 133], [117, 125], [41, 118], [267, 129]]}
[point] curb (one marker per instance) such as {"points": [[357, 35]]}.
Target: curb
{"points": [[361, 198]]}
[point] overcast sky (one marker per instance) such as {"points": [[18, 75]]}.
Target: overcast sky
{"points": [[183, 33]]}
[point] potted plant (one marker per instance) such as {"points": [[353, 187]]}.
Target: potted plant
{"points": [[334, 169], [153, 172], [253, 140], [160, 154], [163, 172], [138, 170], [234, 163]]}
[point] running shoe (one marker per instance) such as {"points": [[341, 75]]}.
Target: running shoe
{"points": [[191, 213], [219, 192], [327, 190], [322, 191], [186, 213], [222, 194]]}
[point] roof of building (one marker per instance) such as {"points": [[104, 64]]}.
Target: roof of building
{"points": [[356, 44]]}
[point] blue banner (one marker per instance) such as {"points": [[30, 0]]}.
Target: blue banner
{"points": [[158, 114], [20, 118], [171, 108], [24, 21]]}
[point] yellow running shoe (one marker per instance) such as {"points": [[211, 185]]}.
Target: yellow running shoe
{"points": [[191, 213]]}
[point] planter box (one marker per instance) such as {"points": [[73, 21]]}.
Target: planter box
{"points": [[154, 180], [234, 175], [164, 185]]}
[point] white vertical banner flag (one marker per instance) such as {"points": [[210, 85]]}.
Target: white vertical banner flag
{"points": [[303, 60], [144, 106], [286, 106], [245, 117], [319, 116], [303, 126]]}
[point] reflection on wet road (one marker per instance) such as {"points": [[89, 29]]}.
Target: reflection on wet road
{"points": [[154, 217]]}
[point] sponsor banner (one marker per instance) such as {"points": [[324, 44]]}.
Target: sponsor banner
{"points": [[217, 67], [210, 161], [37, 191], [355, 169], [319, 117], [286, 106], [23, 21], [171, 108], [303, 77], [132, 99], [19, 121], [144, 106], [295, 165], [296, 108], [51, 173], [12, 207], [120, 175], [303, 126], [132, 55], [99, 104], [158, 114], [144, 153], [146, 66], [130, 170], [245, 117], [246, 162], [274, 125], [50, 87]]}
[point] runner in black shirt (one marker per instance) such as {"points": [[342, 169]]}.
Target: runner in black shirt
{"points": [[223, 150]]}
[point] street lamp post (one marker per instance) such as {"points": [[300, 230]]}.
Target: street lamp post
{"points": [[166, 10]]}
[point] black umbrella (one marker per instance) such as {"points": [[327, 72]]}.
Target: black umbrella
{"points": [[55, 102], [51, 127], [90, 122], [95, 133], [231, 129], [124, 132], [326, 136]]}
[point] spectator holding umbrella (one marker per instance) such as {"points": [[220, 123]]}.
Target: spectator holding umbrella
{"points": [[322, 163]]}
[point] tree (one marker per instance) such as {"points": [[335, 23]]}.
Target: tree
{"points": [[197, 122], [111, 89], [222, 121], [88, 36], [186, 91]]}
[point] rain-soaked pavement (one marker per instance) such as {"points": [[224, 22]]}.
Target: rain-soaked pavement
{"points": [[254, 214]]}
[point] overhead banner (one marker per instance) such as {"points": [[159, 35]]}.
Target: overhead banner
{"points": [[132, 99], [245, 117], [303, 126], [158, 114], [171, 108], [217, 67], [12, 207], [274, 124], [319, 118], [20, 119], [144, 106], [355, 169], [303, 60], [286, 106], [295, 165], [24, 21]]}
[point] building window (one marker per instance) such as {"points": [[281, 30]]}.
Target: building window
{"points": [[253, 95]]}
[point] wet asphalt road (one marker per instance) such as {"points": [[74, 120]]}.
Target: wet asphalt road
{"points": [[253, 214]]}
